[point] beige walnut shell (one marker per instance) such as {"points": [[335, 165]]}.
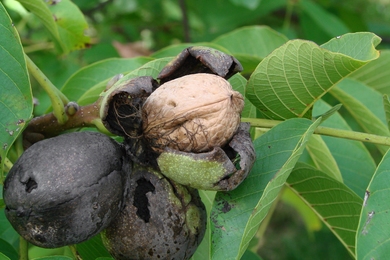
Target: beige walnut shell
{"points": [[193, 113]]}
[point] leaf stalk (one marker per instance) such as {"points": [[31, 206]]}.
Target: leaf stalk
{"points": [[267, 124]]}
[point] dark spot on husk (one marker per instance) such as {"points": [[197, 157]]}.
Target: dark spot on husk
{"points": [[140, 200], [31, 185]]}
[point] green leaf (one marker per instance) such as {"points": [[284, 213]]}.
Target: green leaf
{"points": [[54, 257], [71, 25], [376, 73], [89, 76], [374, 226], [386, 104], [322, 157], [4, 257], [8, 250], [93, 248], [7, 233], [238, 83], [334, 203], [311, 220], [292, 78], [321, 20], [365, 105], [237, 214], [16, 104], [251, 44], [352, 157]]}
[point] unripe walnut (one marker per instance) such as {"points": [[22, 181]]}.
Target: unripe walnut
{"points": [[193, 113]]}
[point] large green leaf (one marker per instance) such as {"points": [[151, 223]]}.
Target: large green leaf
{"points": [[236, 215], [372, 240], [365, 105], [334, 203], [292, 78], [353, 159], [376, 73], [87, 77], [251, 44], [16, 98]]}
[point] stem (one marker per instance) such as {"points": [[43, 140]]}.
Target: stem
{"points": [[287, 17], [8, 164], [48, 126], [57, 98], [267, 124], [74, 251], [23, 249]]}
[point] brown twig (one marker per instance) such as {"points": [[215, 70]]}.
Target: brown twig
{"points": [[47, 125]]}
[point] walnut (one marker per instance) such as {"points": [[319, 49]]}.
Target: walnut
{"points": [[193, 113]]}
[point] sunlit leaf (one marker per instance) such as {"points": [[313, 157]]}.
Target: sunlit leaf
{"points": [[237, 214], [353, 159], [311, 220], [292, 78], [334, 203], [374, 227], [41, 10], [16, 99], [365, 105], [4, 257], [71, 25]]}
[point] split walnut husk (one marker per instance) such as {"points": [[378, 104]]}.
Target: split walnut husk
{"points": [[193, 113]]}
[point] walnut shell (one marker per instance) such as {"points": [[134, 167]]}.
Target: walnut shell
{"points": [[193, 113]]}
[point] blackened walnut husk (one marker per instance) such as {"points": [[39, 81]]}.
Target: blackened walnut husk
{"points": [[66, 189], [161, 220]]}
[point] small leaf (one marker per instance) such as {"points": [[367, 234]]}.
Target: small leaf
{"points": [[71, 26], [334, 203], [358, 99], [374, 226], [42, 11], [238, 83], [292, 78], [8, 250], [352, 157], [237, 214], [16, 104]]}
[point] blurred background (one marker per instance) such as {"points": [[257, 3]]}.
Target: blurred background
{"points": [[130, 28]]}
